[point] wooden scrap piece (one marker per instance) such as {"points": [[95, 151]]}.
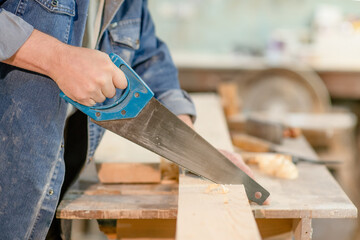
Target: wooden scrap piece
{"points": [[229, 98], [120, 201], [121, 161], [273, 164], [128, 172]]}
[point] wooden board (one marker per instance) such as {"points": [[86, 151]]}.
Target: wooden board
{"points": [[121, 161], [314, 194], [214, 215], [120, 201], [203, 215], [128, 172]]}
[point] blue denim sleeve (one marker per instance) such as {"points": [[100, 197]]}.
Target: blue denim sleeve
{"points": [[14, 31], [152, 61]]}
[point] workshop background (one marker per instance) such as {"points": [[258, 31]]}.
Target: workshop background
{"points": [[297, 60], [259, 41]]}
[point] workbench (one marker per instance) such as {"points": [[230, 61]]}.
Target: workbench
{"points": [[157, 211]]}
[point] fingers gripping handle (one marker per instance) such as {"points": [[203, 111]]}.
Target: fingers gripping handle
{"points": [[129, 105]]}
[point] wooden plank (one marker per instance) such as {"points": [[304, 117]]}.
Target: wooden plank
{"points": [[121, 161], [302, 229], [128, 172], [207, 215], [229, 98], [273, 227], [120, 201], [314, 194]]}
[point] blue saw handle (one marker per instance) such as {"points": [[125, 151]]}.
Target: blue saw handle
{"points": [[129, 105]]}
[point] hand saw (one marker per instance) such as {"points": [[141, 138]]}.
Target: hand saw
{"points": [[140, 118]]}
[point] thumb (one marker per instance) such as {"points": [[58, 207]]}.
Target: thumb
{"points": [[119, 78]]}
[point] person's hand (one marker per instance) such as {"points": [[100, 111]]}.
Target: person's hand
{"points": [[238, 161], [186, 119], [87, 76], [84, 75]]}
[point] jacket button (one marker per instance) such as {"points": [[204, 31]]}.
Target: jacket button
{"points": [[54, 3], [113, 25], [51, 191], [62, 145]]}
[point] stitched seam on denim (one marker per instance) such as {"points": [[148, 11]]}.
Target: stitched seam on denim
{"points": [[41, 201], [67, 31], [58, 9], [36, 220], [88, 138], [20, 9], [128, 21]]}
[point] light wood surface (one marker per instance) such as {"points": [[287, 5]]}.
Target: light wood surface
{"points": [[120, 161], [314, 194], [120, 201], [213, 215], [128, 172]]}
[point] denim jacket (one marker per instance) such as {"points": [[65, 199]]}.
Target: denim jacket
{"points": [[33, 116]]}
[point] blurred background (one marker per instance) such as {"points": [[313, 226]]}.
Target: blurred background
{"points": [[318, 32], [293, 58]]}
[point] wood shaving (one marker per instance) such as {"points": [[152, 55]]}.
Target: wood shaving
{"points": [[217, 188]]}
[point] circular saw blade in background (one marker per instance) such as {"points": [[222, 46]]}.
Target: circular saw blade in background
{"points": [[281, 90]]}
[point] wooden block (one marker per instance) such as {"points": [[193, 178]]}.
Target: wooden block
{"points": [[302, 229], [121, 161], [128, 172], [169, 170], [120, 201], [249, 143], [229, 98], [109, 231], [151, 229], [274, 227]]}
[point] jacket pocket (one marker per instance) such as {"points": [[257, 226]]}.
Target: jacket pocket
{"points": [[126, 33], [59, 6]]}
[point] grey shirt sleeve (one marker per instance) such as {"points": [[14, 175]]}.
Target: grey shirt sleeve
{"points": [[178, 102], [14, 31]]}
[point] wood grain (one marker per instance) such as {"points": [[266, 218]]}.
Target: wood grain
{"points": [[215, 216], [120, 201], [146, 229], [121, 161], [204, 215], [128, 172], [314, 194]]}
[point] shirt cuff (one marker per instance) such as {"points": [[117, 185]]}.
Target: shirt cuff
{"points": [[14, 31], [178, 102]]}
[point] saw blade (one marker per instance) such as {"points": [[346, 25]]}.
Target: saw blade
{"points": [[163, 133]]}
